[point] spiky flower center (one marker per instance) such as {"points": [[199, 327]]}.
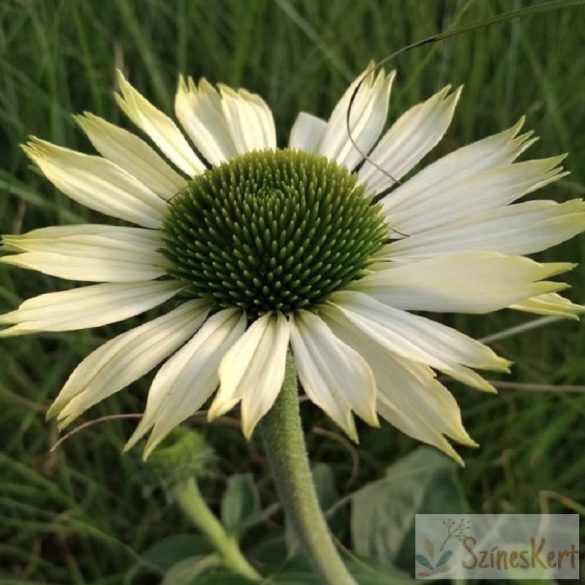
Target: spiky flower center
{"points": [[272, 230]]}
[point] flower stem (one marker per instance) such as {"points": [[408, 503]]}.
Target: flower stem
{"points": [[191, 501], [285, 446]]}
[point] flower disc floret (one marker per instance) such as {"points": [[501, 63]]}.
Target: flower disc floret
{"points": [[273, 230]]}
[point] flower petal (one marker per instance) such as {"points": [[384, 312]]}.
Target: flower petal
{"points": [[494, 151], [412, 211], [110, 257], [125, 359], [97, 183], [464, 282], [409, 139], [161, 129], [249, 119], [253, 371], [36, 240], [550, 304], [409, 396], [523, 228], [187, 379], [416, 338], [199, 109], [88, 306], [307, 132], [132, 154], [334, 376], [367, 118]]}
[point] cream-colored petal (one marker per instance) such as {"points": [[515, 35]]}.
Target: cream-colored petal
{"points": [[409, 396], [92, 258], [126, 358], [159, 127], [416, 338], [334, 376], [88, 306], [199, 109], [249, 119], [522, 228], [132, 154], [497, 150], [462, 282], [409, 139], [253, 371], [550, 304], [100, 265], [37, 240], [97, 183], [307, 132], [449, 201], [411, 211], [188, 378], [367, 118]]}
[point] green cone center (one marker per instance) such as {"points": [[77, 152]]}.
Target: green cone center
{"points": [[273, 230]]}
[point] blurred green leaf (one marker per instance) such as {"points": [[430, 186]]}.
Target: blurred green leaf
{"points": [[240, 502], [189, 570], [324, 478], [169, 551], [383, 512]]}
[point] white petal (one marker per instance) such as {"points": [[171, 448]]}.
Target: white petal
{"points": [[161, 129], [463, 282], [253, 371], [131, 154], [36, 240], [409, 396], [88, 306], [334, 376], [523, 228], [416, 338], [492, 152], [187, 379], [249, 119], [409, 139], [200, 112], [550, 304], [125, 359], [307, 132], [97, 183], [448, 202], [367, 118], [112, 257]]}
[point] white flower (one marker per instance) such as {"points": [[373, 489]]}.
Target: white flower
{"points": [[309, 247]]}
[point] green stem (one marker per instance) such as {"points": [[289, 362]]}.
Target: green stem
{"points": [[191, 501], [285, 446]]}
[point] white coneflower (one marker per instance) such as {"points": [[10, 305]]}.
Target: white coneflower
{"points": [[308, 247]]}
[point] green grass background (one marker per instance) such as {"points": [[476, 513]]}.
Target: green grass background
{"points": [[82, 514]]}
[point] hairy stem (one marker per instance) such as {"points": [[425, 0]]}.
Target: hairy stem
{"points": [[285, 446]]}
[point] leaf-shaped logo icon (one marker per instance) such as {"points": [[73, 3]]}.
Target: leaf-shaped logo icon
{"points": [[424, 562], [444, 557], [430, 548]]}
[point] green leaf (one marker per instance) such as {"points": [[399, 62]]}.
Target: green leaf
{"points": [[169, 551], [185, 572], [240, 503], [220, 578], [372, 573], [383, 512], [328, 495]]}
